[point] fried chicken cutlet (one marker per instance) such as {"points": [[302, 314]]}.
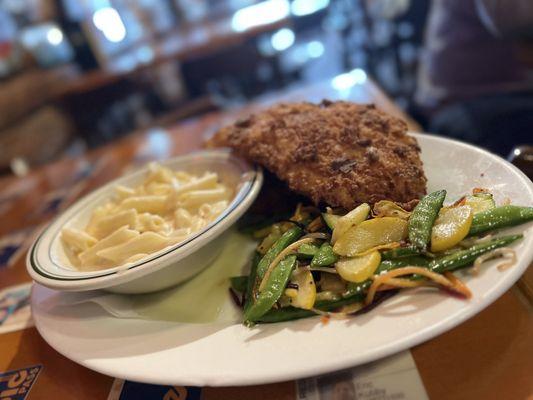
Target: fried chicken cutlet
{"points": [[338, 153]]}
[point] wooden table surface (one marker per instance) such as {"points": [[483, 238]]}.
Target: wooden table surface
{"points": [[488, 357]]}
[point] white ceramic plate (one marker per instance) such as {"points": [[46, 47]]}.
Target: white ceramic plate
{"points": [[220, 355]]}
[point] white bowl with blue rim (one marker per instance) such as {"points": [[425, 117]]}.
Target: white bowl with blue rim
{"points": [[48, 264]]}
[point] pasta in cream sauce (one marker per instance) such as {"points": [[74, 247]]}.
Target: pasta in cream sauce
{"points": [[165, 209]]}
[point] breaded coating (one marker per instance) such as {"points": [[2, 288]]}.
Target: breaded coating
{"points": [[338, 153]]}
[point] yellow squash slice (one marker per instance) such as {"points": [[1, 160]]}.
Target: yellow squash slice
{"points": [[451, 226], [358, 269], [371, 233], [354, 217]]}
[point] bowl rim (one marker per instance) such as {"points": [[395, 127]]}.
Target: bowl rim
{"points": [[244, 197]]}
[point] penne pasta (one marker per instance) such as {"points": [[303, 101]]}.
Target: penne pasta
{"points": [[183, 176], [77, 240], [153, 223], [160, 189], [147, 242], [208, 181], [166, 208], [98, 214], [158, 174], [106, 225], [89, 256], [217, 208], [198, 197], [136, 257], [122, 192], [150, 204], [198, 223], [182, 218]]}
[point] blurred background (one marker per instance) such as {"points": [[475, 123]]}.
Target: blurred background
{"points": [[77, 74]]}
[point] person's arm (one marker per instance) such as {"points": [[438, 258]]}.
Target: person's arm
{"points": [[507, 18]]}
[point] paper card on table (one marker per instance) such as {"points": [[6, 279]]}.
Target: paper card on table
{"points": [[15, 312], [11, 245], [16, 384], [7, 251], [127, 390], [15, 246], [395, 377]]}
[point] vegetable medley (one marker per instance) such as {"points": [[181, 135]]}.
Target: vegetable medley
{"points": [[337, 264]]}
